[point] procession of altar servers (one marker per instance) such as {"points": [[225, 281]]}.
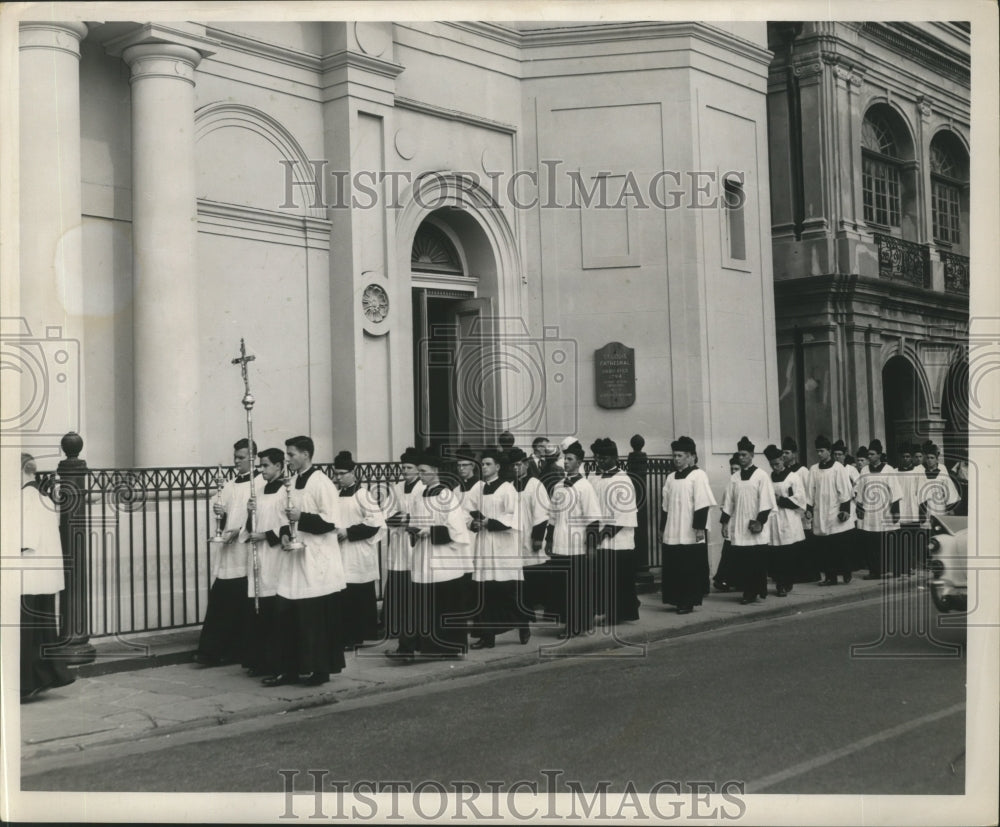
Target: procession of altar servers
{"points": [[528, 538]]}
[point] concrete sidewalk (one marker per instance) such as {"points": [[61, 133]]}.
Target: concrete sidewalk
{"points": [[147, 686]]}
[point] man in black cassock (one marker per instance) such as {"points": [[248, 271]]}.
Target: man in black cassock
{"points": [[41, 579], [225, 632]]}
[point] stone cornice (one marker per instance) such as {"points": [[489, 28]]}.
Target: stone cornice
{"points": [[453, 115], [254, 222], [604, 32], [817, 294], [493, 31], [357, 60], [911, 42], [262, 49]]}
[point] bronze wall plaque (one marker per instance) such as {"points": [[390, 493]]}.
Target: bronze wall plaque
{"points": [[614, 375]]}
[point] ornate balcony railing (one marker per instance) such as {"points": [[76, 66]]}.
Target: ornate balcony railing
{"points": [[956, 273], [903, 261], [144, 536]]}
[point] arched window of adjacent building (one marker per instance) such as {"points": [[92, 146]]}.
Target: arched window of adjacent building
{"points": [[880, 173], [887, 173], [949, 191]]}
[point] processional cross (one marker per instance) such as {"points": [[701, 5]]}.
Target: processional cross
{"points": [[242, 361], [248, 401]]}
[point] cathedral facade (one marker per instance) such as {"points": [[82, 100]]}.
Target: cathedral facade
{"points": [[427, 232]]}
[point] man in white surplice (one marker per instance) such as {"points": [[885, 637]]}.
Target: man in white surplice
{"points": [[572, 536], [497, 561], [748, 502]]}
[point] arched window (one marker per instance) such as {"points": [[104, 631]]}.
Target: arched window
{"points": [[880, 172], [433, 252], [949, 179]]}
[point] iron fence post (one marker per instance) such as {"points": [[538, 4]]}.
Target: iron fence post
{"points": [[637, 465], [74, 622]]}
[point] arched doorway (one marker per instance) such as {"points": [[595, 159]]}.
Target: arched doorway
{"points": [[453, 275], [457, 254], [905, 404]]}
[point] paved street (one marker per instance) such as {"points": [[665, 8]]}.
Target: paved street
{"points": [[780, 705]]}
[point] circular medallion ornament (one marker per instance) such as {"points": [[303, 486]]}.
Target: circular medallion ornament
{"points": [[375, 303], [372, 38], [405, 144]]}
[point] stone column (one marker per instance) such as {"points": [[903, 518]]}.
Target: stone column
{"points": [[164, 254], [51, 261]]}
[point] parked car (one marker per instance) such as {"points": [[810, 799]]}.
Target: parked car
{"points": [[947, 563]]}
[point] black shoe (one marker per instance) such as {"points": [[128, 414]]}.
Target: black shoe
{"points": [[684, 610], [828, 582], [848, 578], [524, 635], [485, 642], [872, 577], [316, 679], [280, 680], [722, 587], [746, 601], [781, 592]]}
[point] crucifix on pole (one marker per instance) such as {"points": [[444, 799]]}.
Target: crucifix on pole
{"points": [[248, 402]]}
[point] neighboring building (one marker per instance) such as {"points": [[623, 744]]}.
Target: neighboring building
{"points": [[169, 207], [869, 154]]}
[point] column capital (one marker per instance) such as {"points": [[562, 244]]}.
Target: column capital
{"points": [[166, 60], [55, 35], [189, 35], [810, 66]]}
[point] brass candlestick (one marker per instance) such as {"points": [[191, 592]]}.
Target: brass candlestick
{"points": [[220, 519], [294, 543]]}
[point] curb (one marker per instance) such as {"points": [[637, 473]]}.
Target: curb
{"points": [[110, 663], [582, 646], [145, 651]]}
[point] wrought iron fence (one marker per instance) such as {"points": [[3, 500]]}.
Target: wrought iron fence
{"points": [[903, 260], [145, 531], [956, 273]]}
